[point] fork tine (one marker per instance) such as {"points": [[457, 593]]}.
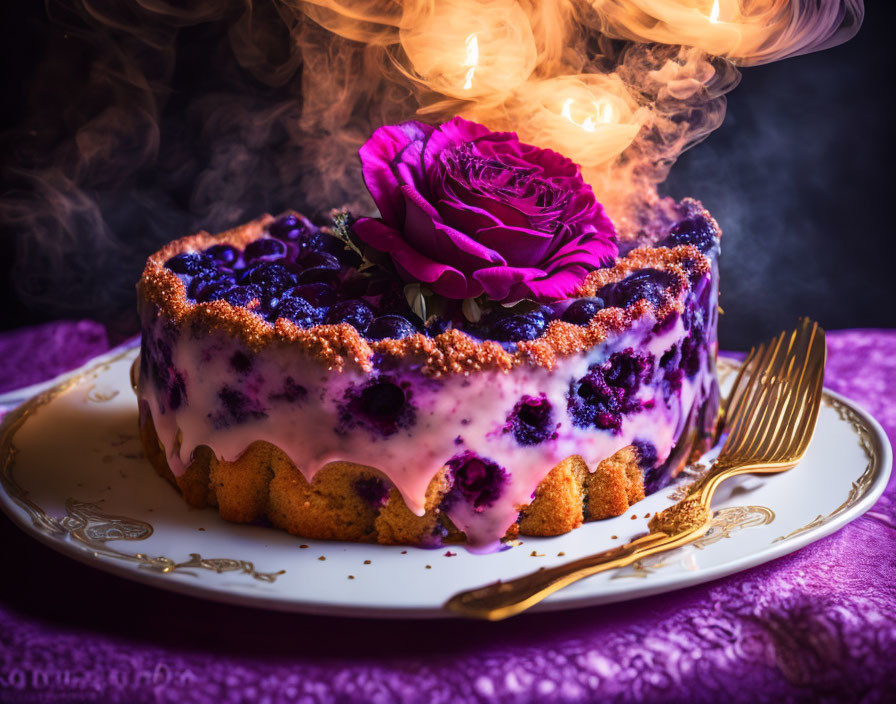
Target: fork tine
{"points": [[762, 413], [799, 378], [744, 424], [774, 406], [778, 438], [813, 394], [752, 377]]}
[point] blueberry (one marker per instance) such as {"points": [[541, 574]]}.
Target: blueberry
{"points": [[647, 456], [286, 227], [592, 402], [381, 406], [290, 227], [191, 263], [544, 313], [317, 294], [648, 284], [436, 326], [383, 399], [516, 328], [318, 266], [355, 313], [475, 480], [372, 490], [234, 408], [297, 231], [273, 278], [264, 250], [270, 303], [390, 326], [241, 362], [298, 311], [532, 420], [609, 390], [225, 254], [200, 282], [695, 322], [213, 292], [582, 311], [243, 295], [698, 231], [292, 392], [177, 394]]}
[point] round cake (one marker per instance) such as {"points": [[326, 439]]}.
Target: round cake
{"points": [[434, 374]]}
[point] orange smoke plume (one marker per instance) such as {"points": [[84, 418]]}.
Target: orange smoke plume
{"points": [[622, 87]]}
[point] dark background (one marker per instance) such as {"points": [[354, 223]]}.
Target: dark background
{"points": [[799, 177]]}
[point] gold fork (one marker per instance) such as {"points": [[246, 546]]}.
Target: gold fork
{"points": [[769, 417]]}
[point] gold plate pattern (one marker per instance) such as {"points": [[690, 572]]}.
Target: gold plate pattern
{"points": [[85, 522], [106, 535]]}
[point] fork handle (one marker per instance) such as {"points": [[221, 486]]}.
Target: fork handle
{"points": [[500, 600]]}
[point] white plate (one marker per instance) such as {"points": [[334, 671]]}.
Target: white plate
{"points": [[74, 477]]}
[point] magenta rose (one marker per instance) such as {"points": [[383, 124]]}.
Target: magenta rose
{"points": [[466, 211]]}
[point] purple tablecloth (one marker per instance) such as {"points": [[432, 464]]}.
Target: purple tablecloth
{"points": [[818, 625]]}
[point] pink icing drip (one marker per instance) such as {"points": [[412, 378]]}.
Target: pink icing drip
{"points": [[474, 407]]}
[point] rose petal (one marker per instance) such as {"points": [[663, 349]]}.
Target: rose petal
{"points": [[425, 231], [554, 287], [588, 256], [465, 218], [521, 246], [501, 211], [413, 266], [466, 210], [380, 156], [499, 281]]}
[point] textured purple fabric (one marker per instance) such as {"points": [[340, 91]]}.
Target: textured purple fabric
{"points": [[819, 625], [38, 353]]}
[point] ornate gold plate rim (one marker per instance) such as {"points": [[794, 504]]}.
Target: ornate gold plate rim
{"points": [[88, 527]]}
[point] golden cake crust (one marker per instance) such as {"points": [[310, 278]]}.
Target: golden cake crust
{"points": [[452, 352], [264, 485]]}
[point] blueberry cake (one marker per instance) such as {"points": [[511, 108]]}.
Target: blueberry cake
{"points": [[285, 377], [277, 383]]}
